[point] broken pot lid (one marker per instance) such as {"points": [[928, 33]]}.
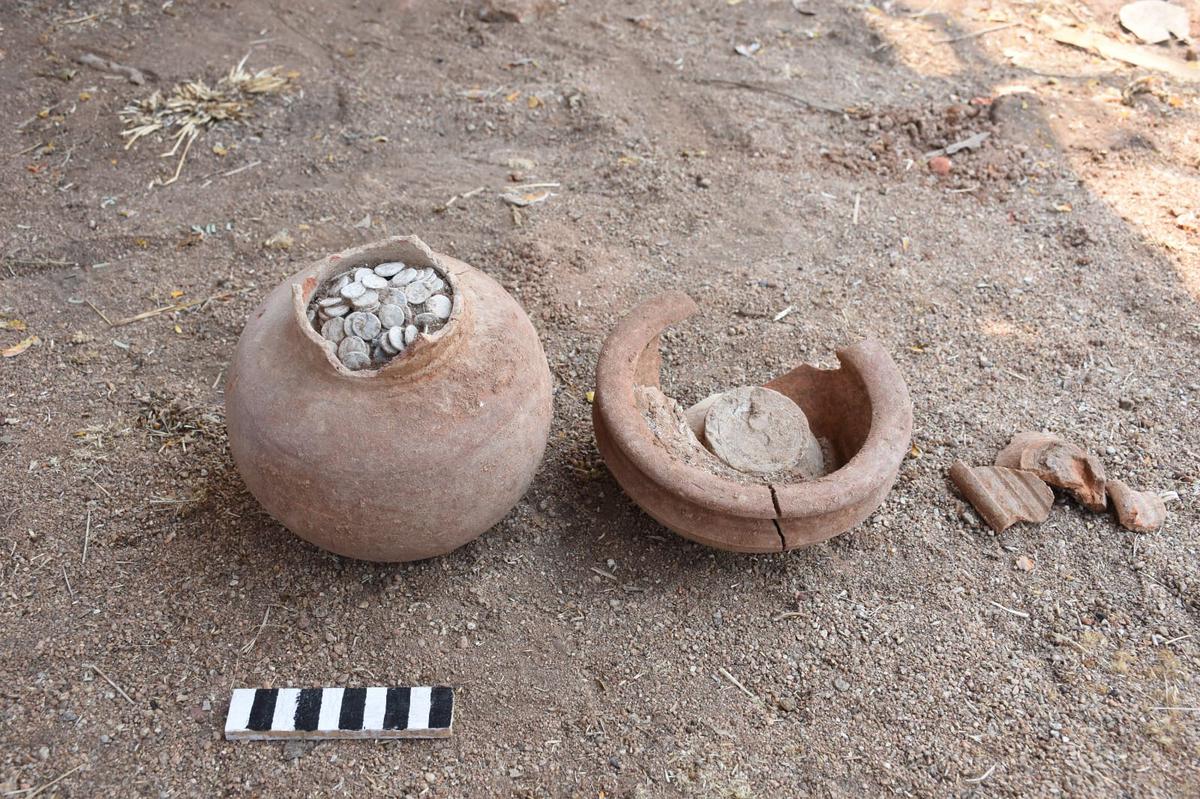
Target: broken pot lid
{"points": [[1059, 463], [862, 409]]}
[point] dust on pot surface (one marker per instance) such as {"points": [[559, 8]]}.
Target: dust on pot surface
{"points": [[411, 453], [814, 457]]}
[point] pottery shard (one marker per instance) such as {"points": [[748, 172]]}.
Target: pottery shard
{"points": [[1060, 463], [760, 431], [1003, 496], [1139, 511]]}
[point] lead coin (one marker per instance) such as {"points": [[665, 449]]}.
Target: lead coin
{"points": [[356, 360], [352, 290], [390, 269], [364, 325], [410, 334], [417, 293], [368, 300], [439, 306], [395, 338], [334, 329], [404, 277], [392, 315], [373, 281]]}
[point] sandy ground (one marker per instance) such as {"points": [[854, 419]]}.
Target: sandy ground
{"points": [[1050, 281]]}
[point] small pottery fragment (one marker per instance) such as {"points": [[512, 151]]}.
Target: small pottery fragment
{"points": [[1139, 511], [1003, 496], [1059, 463]]}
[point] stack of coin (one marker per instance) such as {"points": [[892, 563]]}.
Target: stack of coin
{"points": [[373, 313]]}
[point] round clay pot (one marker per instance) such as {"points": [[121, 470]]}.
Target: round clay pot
{"points": [[862, 409], [403, 462]]}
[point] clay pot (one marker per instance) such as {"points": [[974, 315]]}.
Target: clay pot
{"points": [[862, 409], [404, 462]]}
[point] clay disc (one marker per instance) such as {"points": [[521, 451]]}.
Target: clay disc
{"points": [[757, 430]]}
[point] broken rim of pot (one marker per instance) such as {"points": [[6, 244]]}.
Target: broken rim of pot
{"points": [[862, 408], [427, 349]]}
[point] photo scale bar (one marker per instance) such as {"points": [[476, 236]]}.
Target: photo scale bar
{"points": [[266, 714]]}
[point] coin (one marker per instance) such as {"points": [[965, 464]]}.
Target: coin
{"points": [[410, 334], [364, 325], [435, 284], [362, 272], [425, 320], [391, 315], [425, 274], [356, 360], [352, 290], [373, 281], [404, 277], [391, 296], [337, 284], [351, 344], [366, 301], [334, 329], [337, 309], [311, 313], [439, 306], [390, 269], [417, 293], [395, 338]]}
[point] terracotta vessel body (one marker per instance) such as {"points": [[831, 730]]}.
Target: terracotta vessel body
{"points": [[405, 462], [862, 409]]}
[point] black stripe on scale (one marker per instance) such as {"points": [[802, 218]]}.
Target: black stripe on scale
{"points": [[395, 711], [441, 707], [353, 702], [262, 712], [308, 709]]}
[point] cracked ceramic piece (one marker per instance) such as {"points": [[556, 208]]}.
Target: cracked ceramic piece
{"points": [[1059, 463], [1003, 496], [449, 433], [862, 408], [1139, 511]]}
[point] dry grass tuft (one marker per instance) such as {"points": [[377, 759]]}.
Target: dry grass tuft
{"points": [[192, 107]]}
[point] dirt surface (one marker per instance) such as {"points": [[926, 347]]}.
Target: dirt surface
{"points": [[1049, 281]]}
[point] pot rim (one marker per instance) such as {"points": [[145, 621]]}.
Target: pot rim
{"points": [[428, 349]]}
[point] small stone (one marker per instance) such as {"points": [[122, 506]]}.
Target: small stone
{"points": [[364, 325], [841, 684], [1125, 404], [393, 315], [374, 281], [786, 704], [940, 165], [334, 329], [294, 750], [703, 182], [417, 293], [439, 305], [352, 291], [404, 277], [390, 269]]}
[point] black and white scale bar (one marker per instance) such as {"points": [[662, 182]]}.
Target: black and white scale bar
{"points": [[268, 714]]}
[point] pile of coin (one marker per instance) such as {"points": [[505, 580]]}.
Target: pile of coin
{"points": [[372, 313]]}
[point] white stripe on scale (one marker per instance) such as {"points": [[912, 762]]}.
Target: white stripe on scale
{"points": [[239, 710], [285, 709], [331, 709], [418, 708], [374, 709]]}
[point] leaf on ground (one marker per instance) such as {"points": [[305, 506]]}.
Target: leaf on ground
{"points": [[19, 347]]}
